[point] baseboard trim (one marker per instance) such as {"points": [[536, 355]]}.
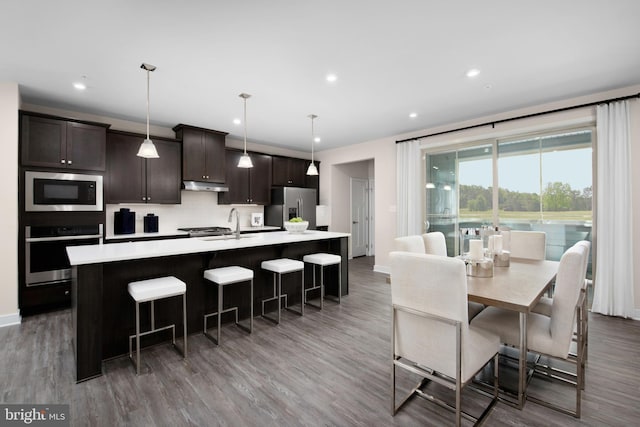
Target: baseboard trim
{"points": [[10, 319], [381, 269]]}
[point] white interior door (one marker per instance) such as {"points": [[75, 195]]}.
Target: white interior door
{"points": [[359, 216]]}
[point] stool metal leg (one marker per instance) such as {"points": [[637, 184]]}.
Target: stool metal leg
{"points": [[251, 310], [314, 287], [338, 298], [321, 286], [137, 338], [221, 311], [184, 322], [138, 334], [302, 299], [220, 288], [277, 295]]}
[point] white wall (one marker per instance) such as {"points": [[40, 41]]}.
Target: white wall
{"points": [[9, 105], [384, 152], [335, 188]]}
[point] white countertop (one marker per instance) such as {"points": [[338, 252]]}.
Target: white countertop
{"points": [[94, 254]]}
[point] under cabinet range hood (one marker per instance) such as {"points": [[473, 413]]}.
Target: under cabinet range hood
{"points": [[204, 186]]}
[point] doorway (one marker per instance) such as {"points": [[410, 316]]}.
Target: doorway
{"points": [[359, 217]]}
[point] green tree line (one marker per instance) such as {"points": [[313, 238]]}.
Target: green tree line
{"points": [[557, 196]]}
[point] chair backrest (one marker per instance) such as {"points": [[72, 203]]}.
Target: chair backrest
{"points": [[569, 283], [435, 243], [417, 283], [587, 246], [413, 244], [528, 244]]}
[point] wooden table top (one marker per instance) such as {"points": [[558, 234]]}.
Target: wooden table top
{"points": [[517, 287]]}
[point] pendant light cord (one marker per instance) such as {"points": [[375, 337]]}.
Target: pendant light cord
{"points": [[147, 104], [245, 126], [313, 137]]}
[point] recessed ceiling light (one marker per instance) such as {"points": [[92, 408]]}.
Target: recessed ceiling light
{"points": [[413, 115], [331, 78], [80, 85], [237, 121], [317, 139], [473, 72]]}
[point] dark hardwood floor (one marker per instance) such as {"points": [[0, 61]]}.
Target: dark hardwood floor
{"points": [[328, 368]]}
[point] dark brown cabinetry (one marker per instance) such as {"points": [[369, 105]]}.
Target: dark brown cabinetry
{"points": [[132, 179], [251, 185], [53, 142], [289, 171], [203, 154]]}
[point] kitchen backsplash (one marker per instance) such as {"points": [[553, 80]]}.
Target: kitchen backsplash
{"points": [[198, 209]]}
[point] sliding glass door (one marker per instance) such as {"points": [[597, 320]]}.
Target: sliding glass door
{"points": [[540, 182]]}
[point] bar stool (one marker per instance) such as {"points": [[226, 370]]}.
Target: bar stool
{"points": [[149, 291], [226, 276], [323, 260], [279, 267]]}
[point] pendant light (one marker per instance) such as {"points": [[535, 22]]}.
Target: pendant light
{"points": [[245, 160], [147, 149], [312, 170]]}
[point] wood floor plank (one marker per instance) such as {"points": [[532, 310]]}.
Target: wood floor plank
{"points": [[328, 368]]}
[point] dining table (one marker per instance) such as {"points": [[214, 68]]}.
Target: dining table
{"points": [[517, 287]]}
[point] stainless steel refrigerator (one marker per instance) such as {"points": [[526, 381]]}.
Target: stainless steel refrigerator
{"points": [[291, 202]]}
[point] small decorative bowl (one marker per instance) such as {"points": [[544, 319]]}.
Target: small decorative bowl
{"points": [[296, 227]]}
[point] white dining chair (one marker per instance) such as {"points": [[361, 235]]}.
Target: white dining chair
{"points": [[549, 335], [435, 243], [545, 306], [431, 335], [528, 244], [413, 243]]}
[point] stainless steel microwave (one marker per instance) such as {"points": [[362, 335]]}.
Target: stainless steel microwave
{"points": [[50, 191]]}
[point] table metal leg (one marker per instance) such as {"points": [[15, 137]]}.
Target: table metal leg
{"points": [[522, 360]]}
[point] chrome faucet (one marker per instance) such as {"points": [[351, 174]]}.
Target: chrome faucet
{"points": [[237, 232]]}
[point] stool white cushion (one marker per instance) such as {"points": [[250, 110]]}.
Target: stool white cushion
{"points": [[226, 275], [282, 265], [152, 289], [322, 259]]}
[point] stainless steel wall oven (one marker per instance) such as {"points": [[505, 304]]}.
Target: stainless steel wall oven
{"points": [[46, 260]]}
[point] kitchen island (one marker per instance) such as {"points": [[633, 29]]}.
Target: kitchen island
{"points": [[103, 312]]}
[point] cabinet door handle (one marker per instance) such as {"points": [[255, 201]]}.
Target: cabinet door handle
{"points": [[63, 161], [66, 292], [69, 162], [148, 198], [144, 198]]}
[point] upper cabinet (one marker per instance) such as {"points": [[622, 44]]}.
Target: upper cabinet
{"points": [[132, 179], [289, 171], [203, 157], [58, 143], [250, 185]]}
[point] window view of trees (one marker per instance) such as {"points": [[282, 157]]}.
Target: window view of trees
{"points": [[557, 196]]}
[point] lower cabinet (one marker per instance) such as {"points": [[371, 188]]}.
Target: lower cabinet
{"points": [[42, 298], [132, 179], [247, 186]]}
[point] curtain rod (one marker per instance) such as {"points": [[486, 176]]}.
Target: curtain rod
{"points": [[526, 116]]}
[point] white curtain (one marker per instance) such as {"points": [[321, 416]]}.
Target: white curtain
{"points": [[613, 287], [409, 198]]}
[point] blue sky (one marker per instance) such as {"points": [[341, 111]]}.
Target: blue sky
{"points": [[521, 173]]}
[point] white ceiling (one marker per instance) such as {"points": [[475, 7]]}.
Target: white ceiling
{"points": [[391, 58]]}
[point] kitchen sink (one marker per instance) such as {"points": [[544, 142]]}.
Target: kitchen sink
{"points": [[226, 237]]}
